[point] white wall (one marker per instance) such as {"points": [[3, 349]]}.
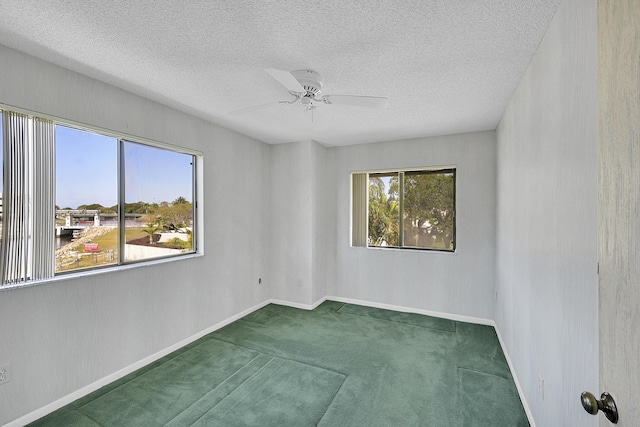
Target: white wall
{"points": [[140, 252], [547, 303], [323, 221], [302, 225], [461, 283], [290, 229], [65, 335]]}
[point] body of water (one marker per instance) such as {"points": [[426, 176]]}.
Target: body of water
{"points": [[62, 240]]}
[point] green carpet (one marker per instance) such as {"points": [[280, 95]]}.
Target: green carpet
{"points": [[338, 365]]}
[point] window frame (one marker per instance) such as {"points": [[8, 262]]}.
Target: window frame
{"points": [[121, 264], [122, 202], [355, 223]]}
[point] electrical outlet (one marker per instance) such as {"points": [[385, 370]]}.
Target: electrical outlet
{"points": [[259, 280], [4, 374], [541, 386]]}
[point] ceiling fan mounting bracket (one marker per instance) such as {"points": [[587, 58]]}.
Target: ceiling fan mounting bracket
{"points": [[310, 81]]}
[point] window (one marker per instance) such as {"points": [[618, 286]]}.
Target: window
{"points": [[158, 188], [86, 199], [404, 209], [74, 199]]}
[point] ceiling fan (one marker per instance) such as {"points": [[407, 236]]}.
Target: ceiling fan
{"points": [[306, 86]]}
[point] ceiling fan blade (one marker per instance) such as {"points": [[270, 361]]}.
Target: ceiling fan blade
{"points": [[286, 79], [253, 108], [357, 101]]}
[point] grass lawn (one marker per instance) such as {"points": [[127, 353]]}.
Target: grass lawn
{"points": [[110, 240], [106, 242]]}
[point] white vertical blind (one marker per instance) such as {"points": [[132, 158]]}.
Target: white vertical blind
{"points": [[28, 199], [13, 265], [359, 214], [44, 196]]}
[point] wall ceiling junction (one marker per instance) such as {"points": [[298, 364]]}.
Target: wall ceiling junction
{"points": [[446, 66]]}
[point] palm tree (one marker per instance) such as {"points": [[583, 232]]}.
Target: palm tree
{"points": [[151, 229], [383, 215]]}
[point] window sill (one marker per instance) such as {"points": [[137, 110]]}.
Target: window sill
{"points": [[408, 249], [98, 271]]}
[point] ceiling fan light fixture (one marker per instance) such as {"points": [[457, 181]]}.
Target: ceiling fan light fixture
{"points": [[308, 103]]}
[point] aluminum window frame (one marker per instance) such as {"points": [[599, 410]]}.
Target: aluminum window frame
{"points": [[355, 213]]}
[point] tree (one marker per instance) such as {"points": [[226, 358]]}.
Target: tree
{"points": [[176, 215], [139, 207], [383, 215], [151, 229], [180, 201], [136, 208], [429, 204], [96, 207]]}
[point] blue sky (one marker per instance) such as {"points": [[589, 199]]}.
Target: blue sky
{"points": [[86, 168], [86, 171], [154, 175]]}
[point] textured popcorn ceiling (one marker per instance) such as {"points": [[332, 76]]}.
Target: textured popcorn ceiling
{"points": [[446, 66]]}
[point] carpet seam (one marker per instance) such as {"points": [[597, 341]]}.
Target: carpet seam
{"points": [[159, 365], [229, 394], [282, 357], [90, 417], [225, 380], [332, 400], [141, 375], [344, 378], [458, 367]]}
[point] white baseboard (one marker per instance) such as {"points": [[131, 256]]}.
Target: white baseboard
{"points": [[297, 304], [456, 317], [47, 409], [527, 409]]}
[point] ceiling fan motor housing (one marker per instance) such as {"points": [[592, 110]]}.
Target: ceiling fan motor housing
{"points": [[310, 81]]}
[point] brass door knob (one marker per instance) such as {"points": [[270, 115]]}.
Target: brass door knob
{"points": [[605, 404]]}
